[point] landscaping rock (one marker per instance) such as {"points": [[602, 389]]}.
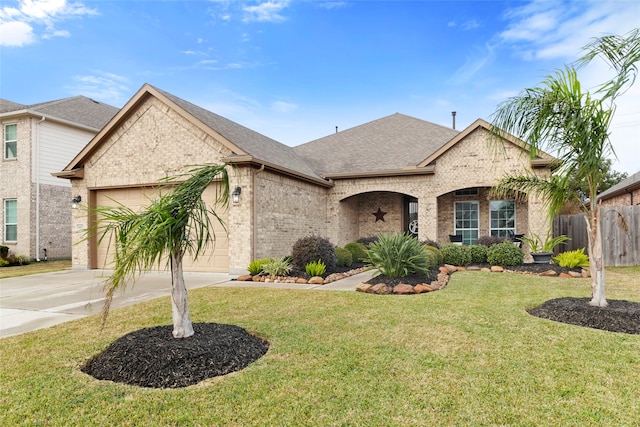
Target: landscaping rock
{"points": [[301, 281], [244, 278], [422, 288], [548, 273], [381, 289], [363, 287], [403, 289], [575, 274], [586, 273], [496, 269], [316, 280], [257, 278], [565, 275], [451, 268]]}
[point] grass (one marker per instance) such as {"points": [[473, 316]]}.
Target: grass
{"points": [[34, 268], [465, 355]]}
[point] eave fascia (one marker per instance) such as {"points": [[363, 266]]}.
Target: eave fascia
{"points": [[427, 170], [77, 173], [244, 160]]}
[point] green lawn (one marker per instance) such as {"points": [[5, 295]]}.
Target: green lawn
{"points": [[468, 355]]}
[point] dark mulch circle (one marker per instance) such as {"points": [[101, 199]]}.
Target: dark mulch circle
{"points": [[618, 316], [151, 357]]}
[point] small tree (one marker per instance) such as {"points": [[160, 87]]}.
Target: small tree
{"points": [[562, 118], [176, 223]]}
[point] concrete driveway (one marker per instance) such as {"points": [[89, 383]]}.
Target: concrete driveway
{"points": [[38, 301]]}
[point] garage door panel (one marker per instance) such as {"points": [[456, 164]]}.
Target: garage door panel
{"points": [[214, 259]]}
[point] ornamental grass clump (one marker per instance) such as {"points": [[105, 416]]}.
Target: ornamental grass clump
{"points": [[316, 268], [343, 257], [358, 251], [399, 255], [572, 259], [277, 267], [255, 266]]}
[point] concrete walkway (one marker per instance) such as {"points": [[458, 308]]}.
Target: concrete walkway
{"points": [[38, 301]]}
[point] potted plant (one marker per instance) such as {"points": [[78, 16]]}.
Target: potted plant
{"points": [[542, 249]]}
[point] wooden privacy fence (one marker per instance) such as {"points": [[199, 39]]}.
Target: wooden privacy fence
{"points": [[620, 247]]}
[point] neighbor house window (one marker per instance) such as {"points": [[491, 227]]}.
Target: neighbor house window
{"points": [[10, 141], [466, 221], [10, 220], [503, 218]]}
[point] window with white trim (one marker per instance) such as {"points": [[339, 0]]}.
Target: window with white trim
{"points": [[466, 221], [10, 141], [10, 220], [502, 218]]}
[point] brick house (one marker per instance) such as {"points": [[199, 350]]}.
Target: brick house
{"points": [[624, 193], [38, 140], [388, 175]]}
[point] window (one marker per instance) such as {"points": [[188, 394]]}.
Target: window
{"points": [[10, 220], [466, 221], [467, 192], [10, 141], [503, 218]]}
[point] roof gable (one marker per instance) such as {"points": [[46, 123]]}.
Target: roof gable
{"points": [[628, 184], [245, 144]]}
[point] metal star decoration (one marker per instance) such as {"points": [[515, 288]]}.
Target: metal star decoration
{"points": [[379, 215]]}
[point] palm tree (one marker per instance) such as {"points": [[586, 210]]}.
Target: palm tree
{"points": [[561, 118], [176, 223]]}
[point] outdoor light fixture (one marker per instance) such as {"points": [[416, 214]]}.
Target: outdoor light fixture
{"points": [[235, 196], [75, 201]]}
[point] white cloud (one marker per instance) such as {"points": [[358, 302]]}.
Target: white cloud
{"points": [[471, 24], [16, 34], [268, 11], [18, 25], [102, 86], [473, 64]]}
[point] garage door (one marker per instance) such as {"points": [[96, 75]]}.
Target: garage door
{"points": [[215, 259]]}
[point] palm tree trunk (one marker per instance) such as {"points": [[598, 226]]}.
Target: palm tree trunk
{"points": [[596, 263], [182, 327]]}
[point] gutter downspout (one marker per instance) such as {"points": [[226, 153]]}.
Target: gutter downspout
{"points": [[254, 211], [37, 149]]}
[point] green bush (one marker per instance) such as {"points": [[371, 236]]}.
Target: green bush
{"points": [[366, 241], [398, 255], [316, 268], [277, 267], [255, 266], [343, 257], [358, 251], [572, 259], [3, 262], [505, 254], [438, 257], [456, 255], [478, 253], [313, 248]]}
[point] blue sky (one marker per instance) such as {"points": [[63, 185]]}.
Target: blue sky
{"points": [[294, 70]]}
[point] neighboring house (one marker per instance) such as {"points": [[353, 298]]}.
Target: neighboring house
{"points": [[388, 175], [624, 193], [38, 140]]}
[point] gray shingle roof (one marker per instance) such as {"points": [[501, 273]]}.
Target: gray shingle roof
{"points": [[77, 109], [631, 182], [390, 143], [261, 147]]}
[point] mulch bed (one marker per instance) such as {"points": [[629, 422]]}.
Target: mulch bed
{"points": [[151, 357], [618, 316]]}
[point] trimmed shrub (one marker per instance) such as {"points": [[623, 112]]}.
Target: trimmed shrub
{"points": [[343, 257], [358, 251], [438, 257], [456, 255], [313, 248], [572, 259], [489, 241], [398, 255], [505, 254], [316, 268], [478, 254], [277, 267], [430, 242], [366, 241]]}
